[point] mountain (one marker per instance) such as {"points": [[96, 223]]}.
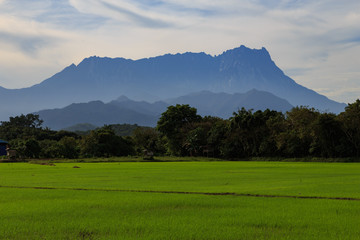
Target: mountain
{"points": [[224, 104], [95, 113], [123, 110], [238, 70], [144, 107]]}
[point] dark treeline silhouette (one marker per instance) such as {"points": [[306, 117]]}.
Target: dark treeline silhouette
{"points": [[301, 132], [25, 134]]}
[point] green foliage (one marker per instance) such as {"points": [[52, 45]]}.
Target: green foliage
{"points": [[148, 139], [32, 148], [217, 137], [104, 142], [50, 149], [119, 129], [81, 127], [194, 140], [23, 126], [302, 132], [125, 129], [174, 123], [350, 119], [69, 147], [28, 148], [251, 132], [24, 121], [329, 139]]}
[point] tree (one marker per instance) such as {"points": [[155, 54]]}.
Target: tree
{"points": [[298, 139], [249, 134], [350, 119], [69, 147], [21, 127], [329, 139], [104, 142], [174, 123], [148, 139], [50, 149], [29, 148], [25, 121], [195, 140], [217, 136]]}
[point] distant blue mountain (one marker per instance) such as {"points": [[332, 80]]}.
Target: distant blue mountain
{"points": [[123, 110], [95, 113], [224, 104], [234, 71]]}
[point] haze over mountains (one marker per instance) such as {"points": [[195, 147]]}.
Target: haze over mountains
{"points": [[123, 110], [169, 76]]}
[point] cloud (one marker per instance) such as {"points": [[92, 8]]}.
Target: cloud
{"points": [[28, 44], [297, 71], [166, 6], [346, 95], [351, 36], [137, 18], [61, 13], [147, 14], [52, 12]]}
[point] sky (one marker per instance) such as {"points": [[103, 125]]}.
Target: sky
{"points": [[316, 43]]}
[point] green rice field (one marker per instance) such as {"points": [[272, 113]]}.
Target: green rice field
{"points": [[180, 200]]}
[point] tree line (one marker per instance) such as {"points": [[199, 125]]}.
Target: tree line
{"points": [[26, 135], [180, 131], [301, 132]]}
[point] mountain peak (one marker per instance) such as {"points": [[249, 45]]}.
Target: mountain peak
{"points": [[93, 60], [122, 98], [72, 66], [244, 52]]}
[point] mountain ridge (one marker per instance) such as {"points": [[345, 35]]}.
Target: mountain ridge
{"points": [[171, 75], [126, 111]]}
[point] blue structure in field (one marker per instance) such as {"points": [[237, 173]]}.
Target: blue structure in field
{"points": [[3, 147]]}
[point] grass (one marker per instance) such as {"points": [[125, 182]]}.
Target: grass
{"points": [[109, 207]]}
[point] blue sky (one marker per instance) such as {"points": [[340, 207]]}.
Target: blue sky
{"points": [[317, 43]]}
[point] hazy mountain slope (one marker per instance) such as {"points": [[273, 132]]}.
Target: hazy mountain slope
{"points": [[124, 110], [237, 70], [224, 104], [155, 108], [96, 113]]}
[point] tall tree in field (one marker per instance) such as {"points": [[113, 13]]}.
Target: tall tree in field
{"points": [[173, 124]]}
